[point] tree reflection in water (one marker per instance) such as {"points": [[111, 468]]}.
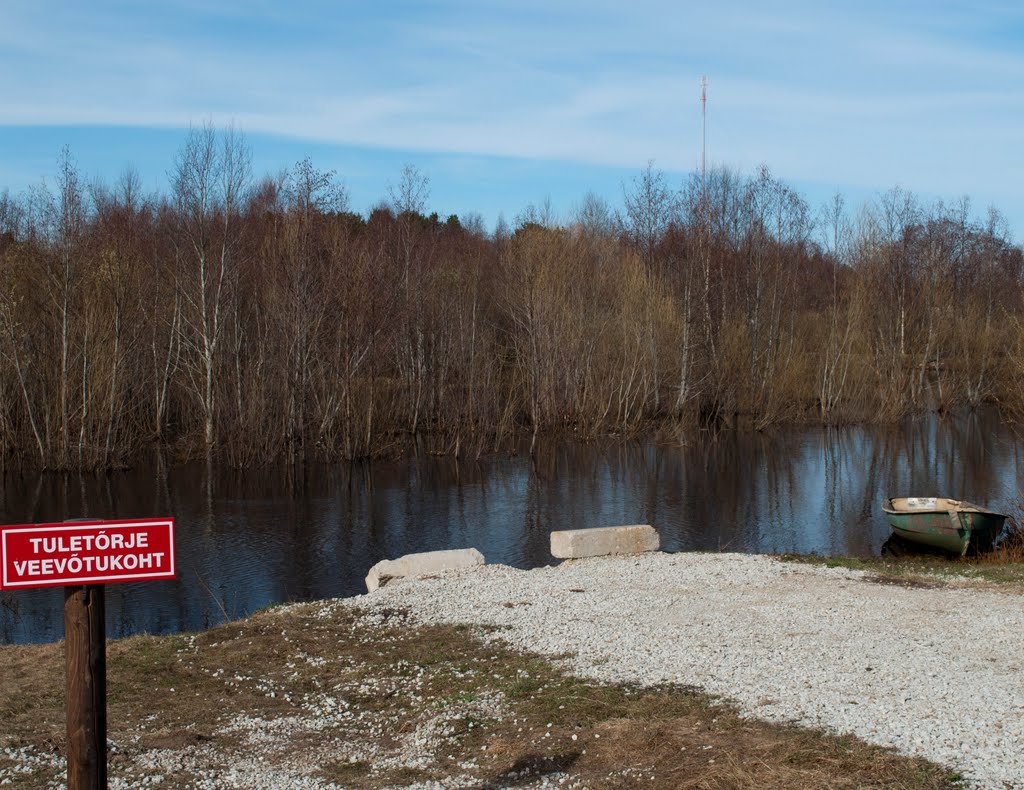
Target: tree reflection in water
{"points": [[249, 539]]}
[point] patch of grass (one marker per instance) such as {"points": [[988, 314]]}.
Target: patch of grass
{"points": [[367, 700], [32, 698], [998, 567], [344, 771]]}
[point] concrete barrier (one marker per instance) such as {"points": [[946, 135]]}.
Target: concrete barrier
{"points": [[577, 543], [423, 564]]}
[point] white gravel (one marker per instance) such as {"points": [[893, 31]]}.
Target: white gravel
{"points": [[931, 672]]}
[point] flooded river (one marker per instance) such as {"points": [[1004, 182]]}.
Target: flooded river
{"points": [[247, 540]]}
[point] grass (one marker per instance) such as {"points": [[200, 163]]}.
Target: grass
{"points": [[369, 701], [1004, 567]]}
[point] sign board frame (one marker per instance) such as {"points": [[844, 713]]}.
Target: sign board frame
{"points": [[77, 543]]}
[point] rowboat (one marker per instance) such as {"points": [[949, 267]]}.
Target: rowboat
{"points": [[947, 524]]}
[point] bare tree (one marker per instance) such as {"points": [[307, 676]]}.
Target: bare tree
{"points": [[650, 208], [121, 231], [312, 196], [408, 201], [211, 175], [836, 354], [253, 323], [67, 224], [595, 216]]}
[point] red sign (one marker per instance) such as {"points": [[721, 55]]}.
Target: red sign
{"points": [[86, 552]]}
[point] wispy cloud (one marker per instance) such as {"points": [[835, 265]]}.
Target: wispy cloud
{"points": [[861, 94]]}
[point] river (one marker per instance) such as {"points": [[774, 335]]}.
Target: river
{"points": [[246, 540]]}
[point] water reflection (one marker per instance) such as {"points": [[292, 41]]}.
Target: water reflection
{"points": [[249, 539]]}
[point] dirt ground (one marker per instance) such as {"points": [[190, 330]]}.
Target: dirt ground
{"points": [[319, 695]]}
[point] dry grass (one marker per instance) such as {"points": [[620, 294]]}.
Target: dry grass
{"points": [[1003, 567], [321, 691]]}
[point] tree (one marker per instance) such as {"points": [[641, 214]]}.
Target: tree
{"points": [[67, 223], [303, 284], [836, 354], [120, 230], [408, 200], [650, 208], [210, 179]]}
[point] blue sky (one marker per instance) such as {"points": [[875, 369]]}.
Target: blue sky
{"points": [[503, 104]]}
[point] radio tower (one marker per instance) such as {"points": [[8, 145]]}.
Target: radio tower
{"points": [[703, 127]]}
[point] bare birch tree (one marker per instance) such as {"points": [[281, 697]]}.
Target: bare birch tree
{"points": [[211, 175]]}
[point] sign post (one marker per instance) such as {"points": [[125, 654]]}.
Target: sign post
{"points": [[82, 556], [86, 686]]}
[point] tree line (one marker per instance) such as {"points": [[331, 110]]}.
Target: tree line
{"points": [[261, 320]]}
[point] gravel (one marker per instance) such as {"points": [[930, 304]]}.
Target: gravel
{"points": [[931, 672]]}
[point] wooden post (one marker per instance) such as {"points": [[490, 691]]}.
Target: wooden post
{"points": [[86, 689]]}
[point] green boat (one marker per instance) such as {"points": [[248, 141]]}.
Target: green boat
{"points": [[947, 524]]}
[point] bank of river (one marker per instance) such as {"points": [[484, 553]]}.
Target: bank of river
{"points": [[930, 668], [578, 675], [245, 540]]}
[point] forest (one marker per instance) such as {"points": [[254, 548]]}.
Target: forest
{"points": [[262, 321]]}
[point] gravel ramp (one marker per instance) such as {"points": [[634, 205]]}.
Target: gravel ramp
{"points": [[934, 672]]}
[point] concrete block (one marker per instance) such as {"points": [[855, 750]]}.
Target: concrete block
{"points": [[424, 564], [632, 539]]}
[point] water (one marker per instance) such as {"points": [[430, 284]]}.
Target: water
{"points": [[246, 540]]}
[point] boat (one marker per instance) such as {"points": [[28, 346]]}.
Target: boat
{"points": [[947, 524]]}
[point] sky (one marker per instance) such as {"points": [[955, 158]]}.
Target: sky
{"points": [[505, 104]]}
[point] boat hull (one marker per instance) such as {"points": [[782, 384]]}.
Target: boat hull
{"points": [[954, 529]]}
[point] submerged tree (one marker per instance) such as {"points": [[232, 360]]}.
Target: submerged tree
{"points": [[269, 322], [210, 180]]}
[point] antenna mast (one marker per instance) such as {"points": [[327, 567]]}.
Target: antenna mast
{"points": [[703, 127]]}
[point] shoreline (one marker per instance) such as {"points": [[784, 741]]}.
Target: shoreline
{"points": [[785, 642], [931, 670]]}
